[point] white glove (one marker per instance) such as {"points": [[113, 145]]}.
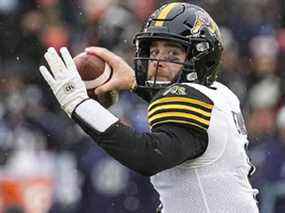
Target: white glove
{"points": [[64, 79]]}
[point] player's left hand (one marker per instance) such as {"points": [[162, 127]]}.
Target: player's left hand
{"points": [[64, 79]]}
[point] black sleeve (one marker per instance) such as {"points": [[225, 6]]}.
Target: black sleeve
{"points": [[149, 153]]}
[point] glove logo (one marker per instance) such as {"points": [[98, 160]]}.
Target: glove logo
{"points": [[69, 87]]}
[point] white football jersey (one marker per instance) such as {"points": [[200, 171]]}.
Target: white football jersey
{"points": [[217, 181]]}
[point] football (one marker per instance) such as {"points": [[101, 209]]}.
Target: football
{"points": [[95, 72]]}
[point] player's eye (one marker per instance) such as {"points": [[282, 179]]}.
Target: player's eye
{"points": [[153, 52], [173, 52], [174, 55]]}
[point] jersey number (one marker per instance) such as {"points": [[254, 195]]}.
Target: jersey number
{"points": [[239, 122]]}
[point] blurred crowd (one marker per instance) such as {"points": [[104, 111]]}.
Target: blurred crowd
{"points": [[47, 164]]}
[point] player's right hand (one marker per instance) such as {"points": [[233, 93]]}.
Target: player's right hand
{"points": [[123, 77]]}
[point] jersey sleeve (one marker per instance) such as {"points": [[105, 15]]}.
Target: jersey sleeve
{"points": [[180, 104], [167, 145]]}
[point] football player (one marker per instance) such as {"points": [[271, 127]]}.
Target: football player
{"points": [[195, 152]]}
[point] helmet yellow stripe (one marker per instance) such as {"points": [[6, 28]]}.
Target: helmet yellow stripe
{"points": [[163, 14]]}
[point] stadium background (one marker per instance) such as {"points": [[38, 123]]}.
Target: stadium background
{"points": [[47, 164]]}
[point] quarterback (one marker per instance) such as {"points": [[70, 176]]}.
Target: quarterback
{"points": [[195, 152]]}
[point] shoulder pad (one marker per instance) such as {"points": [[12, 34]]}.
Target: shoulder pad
{"points": [[181, 104]]}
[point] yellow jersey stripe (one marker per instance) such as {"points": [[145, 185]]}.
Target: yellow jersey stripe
{"points": [[163, 14], [178, 114], [177, 106], [178, 121], [181, 99]]}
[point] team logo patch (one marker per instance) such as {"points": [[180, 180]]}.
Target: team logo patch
{"points": [[175, 90], [69, 87]]}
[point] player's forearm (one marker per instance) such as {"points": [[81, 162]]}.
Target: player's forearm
{"points": [[145, 153]]}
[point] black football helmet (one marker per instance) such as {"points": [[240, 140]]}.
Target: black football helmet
{"points": [[194, 29]]}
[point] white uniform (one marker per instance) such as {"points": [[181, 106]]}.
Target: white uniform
{"points": [[217, 181]]}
